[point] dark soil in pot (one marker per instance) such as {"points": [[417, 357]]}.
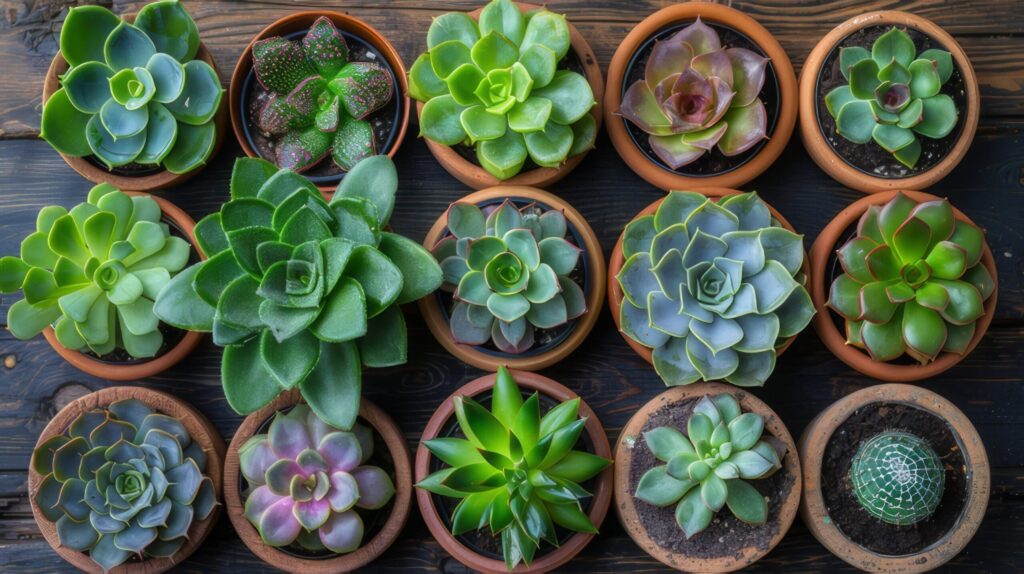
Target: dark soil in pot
{"points": [[129, 170]]}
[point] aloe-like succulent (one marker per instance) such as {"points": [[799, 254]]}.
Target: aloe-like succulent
{"points": [[893, 95], [302, 292], [510, 270], [714, 287], [515, 471], [707, 468], [319, 100], [306, 480], [697, 94], [134, 93], [123, 481], [496, 85], [912, 281], [897, 478], [93, 273]]}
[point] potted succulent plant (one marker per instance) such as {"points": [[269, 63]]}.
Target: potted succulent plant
{"points": [[700, 94], [690, 453], [902, 273], [709, 288], [126, 477], [302, 293], [896, 479], [888, 100], [90, 276], [133, 101], [316, 92], [507, 94], [523, 279], [528, 472], [306, 496]]}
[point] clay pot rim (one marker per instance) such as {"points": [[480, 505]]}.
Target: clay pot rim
{"points": [[602, 493], [626, 508], [141, 370], [302, 20], [717, 13], [812, 447], [200, 430], [439, 327], [370, 550], [615, 294], [825, 245], [477, 177], [827, 158]]}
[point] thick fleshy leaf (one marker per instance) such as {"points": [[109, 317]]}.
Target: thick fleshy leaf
{"points": [[692, 515], [747, 127], [375, 487], [82, 26], [342, 533], [440, 121], [87, 86], [200, 98], [746, 503], [640, 106], [893, 45], [940, 117], [171, 28], [127, 46], [855, 121], [452, 26], [502, 157]]}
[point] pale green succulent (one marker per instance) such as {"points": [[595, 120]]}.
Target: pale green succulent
{"points": [[897, 478]]}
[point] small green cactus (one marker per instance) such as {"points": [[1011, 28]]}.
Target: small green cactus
{"points": [[897, 478]]}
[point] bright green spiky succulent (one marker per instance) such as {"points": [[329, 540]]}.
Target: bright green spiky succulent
{"points": [[515, 471], [135, 92], [302, 292], [93, 274], [893, 95], [712, 287], [510, 271], [897, 478], [123, 481], [707, 468], [496, 85], [912, 281]]}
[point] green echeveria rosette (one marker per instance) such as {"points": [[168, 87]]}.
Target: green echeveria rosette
{"points": [[714, 288], [495, 85], [134, 93], [897, 478]]}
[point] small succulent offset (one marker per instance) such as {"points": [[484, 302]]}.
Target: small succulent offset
{"points": [[510, 270], [302, 292], [697, 94], [92, 273], [713, 287], [912, 281], [306, 480], [496, 85], [897, 478], [123, 481], [893, 95], [320, 100], [707, 468], [135, 92], [515, 471]]}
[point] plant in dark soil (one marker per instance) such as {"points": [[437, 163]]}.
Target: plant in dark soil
{"points": [[897, 478]]}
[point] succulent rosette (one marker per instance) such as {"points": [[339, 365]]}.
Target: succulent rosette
{"points": [[897, 478], [697, 94]]}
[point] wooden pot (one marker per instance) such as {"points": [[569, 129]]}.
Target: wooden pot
{"points": [[814, 138], [814, 512], [477, 177], [381, 424], [201, 431], [300, 21], [543, 562], [827, 242], [437, 320], [625, 503], [647, 168]]}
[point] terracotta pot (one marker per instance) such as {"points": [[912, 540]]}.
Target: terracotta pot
{"points": [[201, 431], [437, 319], [647, 168], [625, 503], [112, 371], [477, 177], [827, 242], [618, 260], [300, 21], [811, 131], [382, 425], [813, 509], [543, 562], [162, 179]]}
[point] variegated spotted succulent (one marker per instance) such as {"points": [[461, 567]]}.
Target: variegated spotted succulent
{"points": [[897, 478]]}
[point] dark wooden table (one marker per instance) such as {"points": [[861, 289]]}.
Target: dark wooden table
{"points": [[989, 186]]}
